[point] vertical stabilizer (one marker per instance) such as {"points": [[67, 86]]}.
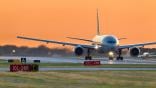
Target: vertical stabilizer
{"points": [[98, 30]]}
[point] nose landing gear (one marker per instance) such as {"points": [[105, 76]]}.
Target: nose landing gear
{"points": [[88, 57], [120, 55]]}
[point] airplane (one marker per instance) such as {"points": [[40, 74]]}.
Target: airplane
{"points": [[103, 44], [146, 55]]}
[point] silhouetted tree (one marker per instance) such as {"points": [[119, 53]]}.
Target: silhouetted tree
{"points": [[9, 50]]}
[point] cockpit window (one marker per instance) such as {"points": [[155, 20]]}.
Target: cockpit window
{"points": [[110, 40]]}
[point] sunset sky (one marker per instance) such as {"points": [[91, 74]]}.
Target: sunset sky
{"points": [[58, 19]]}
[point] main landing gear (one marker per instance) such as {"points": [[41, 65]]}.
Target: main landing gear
{"points": [[120, 56], [88, 57]]}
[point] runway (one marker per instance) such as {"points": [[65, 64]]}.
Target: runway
{"points": [[96, 69], [87, 69], [81, 60]]}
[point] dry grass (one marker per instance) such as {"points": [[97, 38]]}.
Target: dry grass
{"points": [[77, 79]]}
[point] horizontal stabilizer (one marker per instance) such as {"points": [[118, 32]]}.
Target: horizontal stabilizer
{"points": [[80, 39], [122, 38]]}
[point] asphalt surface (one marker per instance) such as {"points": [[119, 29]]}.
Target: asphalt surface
{"points": [[87, 69], [81, 60], [96, 69]]}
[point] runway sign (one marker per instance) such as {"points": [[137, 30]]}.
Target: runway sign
{"points": [[24, 67], [23, 60], [10, 60], [91, 63], [14, 61], [36, 61]]}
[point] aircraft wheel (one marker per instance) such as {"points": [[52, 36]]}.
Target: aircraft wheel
{"points": [[119, 58], [110, 58], [88, 58]]}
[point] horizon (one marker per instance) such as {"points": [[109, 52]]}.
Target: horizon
{"points": [[58, 19], [42, 45]]}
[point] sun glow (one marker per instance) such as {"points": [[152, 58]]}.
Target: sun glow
{"points": [[58, 19]]}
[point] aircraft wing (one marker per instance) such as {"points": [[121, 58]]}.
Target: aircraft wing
{"points": [[57, 42], [136, 45], [80, 39]]}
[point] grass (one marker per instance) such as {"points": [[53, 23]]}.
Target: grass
{"points": [[100, 66], [79, 79], [4, 63]]}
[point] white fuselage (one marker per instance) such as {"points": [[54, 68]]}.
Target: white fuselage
{"points": [[107, 43]]}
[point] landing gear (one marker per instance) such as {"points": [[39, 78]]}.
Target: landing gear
{"points": [[88, 57], [111, 58], [119, 57]]}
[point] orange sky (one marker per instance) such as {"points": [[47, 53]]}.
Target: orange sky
{"points": [[57, 19]]}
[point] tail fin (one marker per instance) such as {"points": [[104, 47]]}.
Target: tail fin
{"points": [[98, 29]]}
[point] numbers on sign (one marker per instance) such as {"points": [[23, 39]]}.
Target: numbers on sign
{"points": [[24, 68], [90, 63], [15, 68]]}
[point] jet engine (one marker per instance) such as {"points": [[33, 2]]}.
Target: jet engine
{"points": [[134, 51], [79, 50]]}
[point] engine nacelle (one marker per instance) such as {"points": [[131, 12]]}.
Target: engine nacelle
{"points": [[134, 51], [79, 50]]}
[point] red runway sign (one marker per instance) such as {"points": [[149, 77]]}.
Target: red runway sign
{"points": [[23, 67], [91, 63]]}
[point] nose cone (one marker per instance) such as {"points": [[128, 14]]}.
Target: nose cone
{"points": [[110, 40]]}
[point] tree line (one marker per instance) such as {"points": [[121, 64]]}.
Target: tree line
{"points": [[12, 50]]}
